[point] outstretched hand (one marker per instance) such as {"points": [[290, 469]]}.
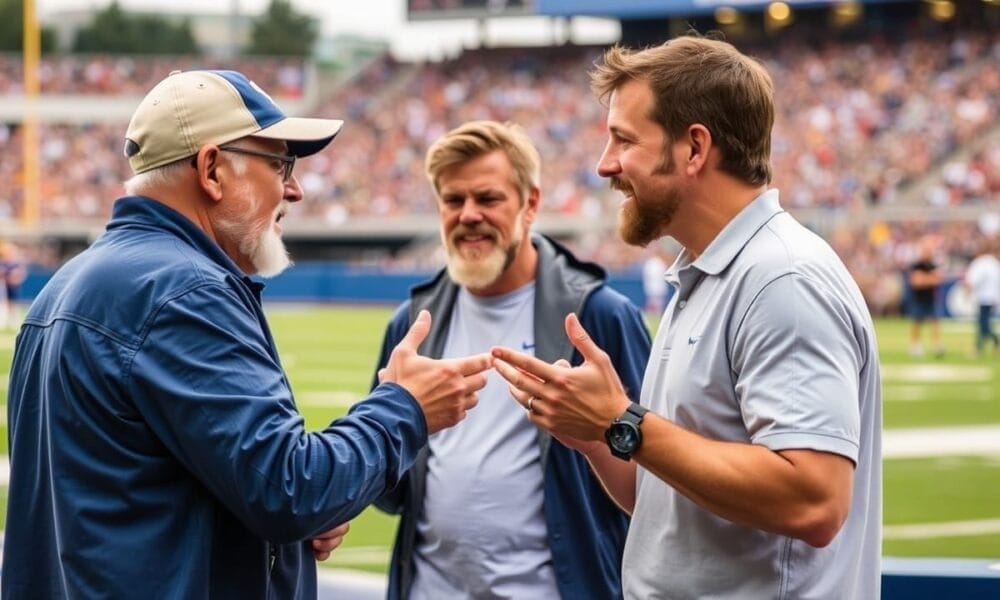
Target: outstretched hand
{"points": [[585, 447], [570, 402], [446, 388]]}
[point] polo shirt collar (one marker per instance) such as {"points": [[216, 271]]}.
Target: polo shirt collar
{"points": [[734, 236]]}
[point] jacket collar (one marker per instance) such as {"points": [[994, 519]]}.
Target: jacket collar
{"points": [[562, 283], [140, 212]]}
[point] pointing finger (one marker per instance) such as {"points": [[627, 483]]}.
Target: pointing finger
{"points": [[535, 367], [470, 365], [517, 379]]}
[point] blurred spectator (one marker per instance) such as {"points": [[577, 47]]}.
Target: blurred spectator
{"points": [[654, 281], [983, 278], [925, 281], [12, 275]]}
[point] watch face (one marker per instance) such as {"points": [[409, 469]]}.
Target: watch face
{"points": [[624, 437]]}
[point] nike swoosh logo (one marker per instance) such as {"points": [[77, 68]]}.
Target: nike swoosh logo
{"points": [[693, 340], [527, 346]]}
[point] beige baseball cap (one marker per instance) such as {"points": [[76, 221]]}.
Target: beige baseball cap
{"points": [[189, 109]]}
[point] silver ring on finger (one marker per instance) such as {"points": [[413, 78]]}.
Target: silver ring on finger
{"points": [[528, 405]]}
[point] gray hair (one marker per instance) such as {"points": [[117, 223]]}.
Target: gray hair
{"points": [[170, 175]]}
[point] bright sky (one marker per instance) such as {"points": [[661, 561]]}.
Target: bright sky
{"points": [[383, 19]]}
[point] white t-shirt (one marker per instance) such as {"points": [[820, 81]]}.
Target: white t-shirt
{"points": [[983, 275], [482, 529]]}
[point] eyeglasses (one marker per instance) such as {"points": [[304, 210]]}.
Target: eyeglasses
{"points": [[287, 161]]}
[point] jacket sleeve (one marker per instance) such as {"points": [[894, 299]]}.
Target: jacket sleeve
{"points": [[207, 380], [393, 500], [617, 326]]}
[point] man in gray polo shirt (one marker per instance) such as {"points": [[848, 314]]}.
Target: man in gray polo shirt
{"points": [[758, 438]]}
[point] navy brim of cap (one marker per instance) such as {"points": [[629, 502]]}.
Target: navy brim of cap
{"points": [[305, 136]]}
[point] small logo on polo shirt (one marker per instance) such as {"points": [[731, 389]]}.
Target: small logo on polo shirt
{"points": [[527, 346], [693, 339]]}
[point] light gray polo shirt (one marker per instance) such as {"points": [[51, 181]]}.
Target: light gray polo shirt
{"points": [[767, 341]]}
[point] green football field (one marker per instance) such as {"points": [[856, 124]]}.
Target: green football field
{"points": [[934, 505]]}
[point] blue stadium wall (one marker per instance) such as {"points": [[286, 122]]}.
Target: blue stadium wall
{"points": [[338, 282]]}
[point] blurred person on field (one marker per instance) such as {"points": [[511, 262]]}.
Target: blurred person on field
{"points": [[752, 464], [925, 278], [496, 508], [654, 280], [154, 440], [13, 273], [982, 277]]}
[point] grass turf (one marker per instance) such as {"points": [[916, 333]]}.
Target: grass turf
{"points": [[329, 353]]}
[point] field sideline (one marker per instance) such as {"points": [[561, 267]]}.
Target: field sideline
{"points": [[940, 491]]}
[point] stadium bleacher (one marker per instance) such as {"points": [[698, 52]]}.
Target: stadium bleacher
{"points": [[868, 132]]}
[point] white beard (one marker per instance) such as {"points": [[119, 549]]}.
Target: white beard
{"points": [[262, 245], [475, 270], [267, 252]]}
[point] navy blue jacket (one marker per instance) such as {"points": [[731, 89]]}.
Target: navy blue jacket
{"points": [[155, 447], [586, 529]]}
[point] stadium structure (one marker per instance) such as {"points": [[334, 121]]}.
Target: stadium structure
{"points": [[887, 129], [887, 132]]}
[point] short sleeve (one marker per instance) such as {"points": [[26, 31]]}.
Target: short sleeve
{"points": [[796, 363]]}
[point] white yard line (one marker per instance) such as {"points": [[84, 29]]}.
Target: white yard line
{"points": [[360, 555], [931, 442], [924, 531]]}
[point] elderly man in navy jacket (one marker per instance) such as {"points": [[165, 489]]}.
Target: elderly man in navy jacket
{"points": [[155, 446]]}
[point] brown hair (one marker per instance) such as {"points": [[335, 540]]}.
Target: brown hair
{"points": [[706, 81], [477, 138]]}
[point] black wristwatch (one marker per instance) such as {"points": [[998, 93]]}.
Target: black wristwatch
{"points": [[624, 436]]}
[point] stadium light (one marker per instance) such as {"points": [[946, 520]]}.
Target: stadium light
{"points": [[777, 16], [845, 13], [942, 10], [726, 15], [779, 12]]}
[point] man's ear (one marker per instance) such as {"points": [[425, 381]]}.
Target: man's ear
{"points": [[207, 167], [699, 140], [533, 201]]}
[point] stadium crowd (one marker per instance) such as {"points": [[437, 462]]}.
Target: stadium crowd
{"points": [[118, 75], [856, 123]]}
